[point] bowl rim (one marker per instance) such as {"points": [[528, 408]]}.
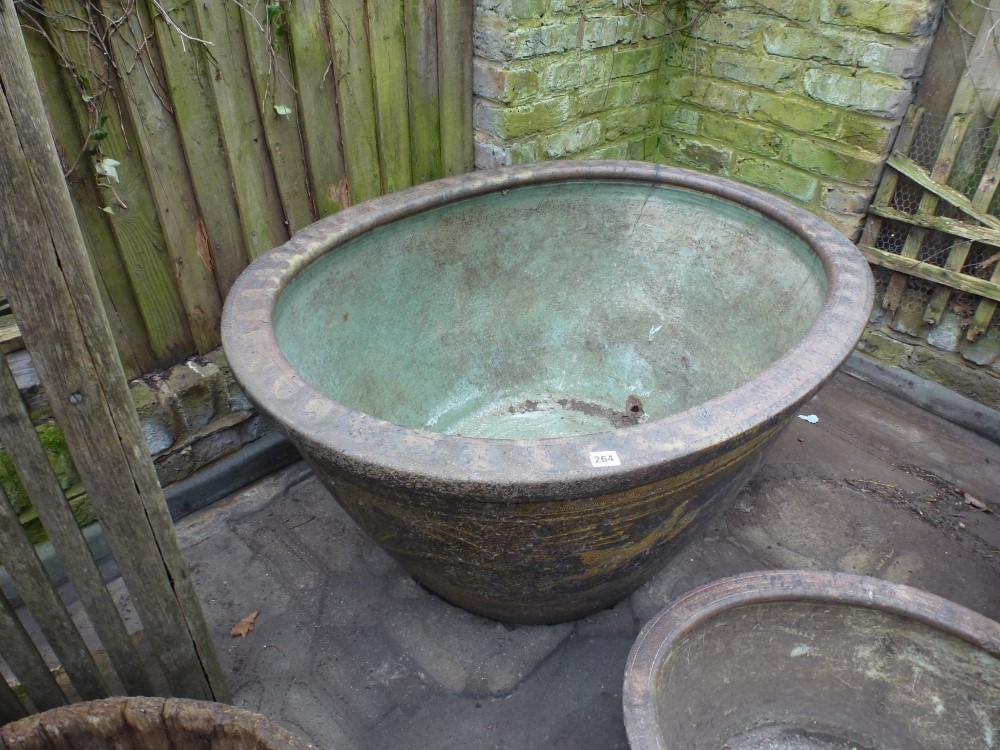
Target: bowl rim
{"points": [[693, 609], [548, 468]]}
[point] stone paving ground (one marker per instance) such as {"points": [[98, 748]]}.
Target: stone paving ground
{"points": [[352, 654]]}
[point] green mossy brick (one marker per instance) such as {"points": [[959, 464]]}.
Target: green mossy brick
{"points": [[775, 177], [628, 121], [743, 135], [544, 40], [862, 49], [599, 32], [574, 70], [845, 199], [603, 98], [860, 168], [733, 29], [502, 83], [510, 122], [572, 140], [882, 347], [789, 111], [690, 152], [523, 152], [900, 17], [523, 9], [872, 94], [810, 44], [631, 62], [721, 96], [611, 151], [680, 119], [870, 133], [757, 70]]}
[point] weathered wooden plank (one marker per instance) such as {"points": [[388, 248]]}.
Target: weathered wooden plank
{"points": [[890, 178], [75, 358], [454, 29], [159, 147], [919, 175], [388, 56], [928, 205], [955, 261], [242, 131], [352, 70], [940, 224], [266, 33], [319, 116], [420, 23], [11, 708], [978, 91], [134, 220], [116, 291], [188, 73], [24, 661], [18, 556], [928, 272], [17, 433]]}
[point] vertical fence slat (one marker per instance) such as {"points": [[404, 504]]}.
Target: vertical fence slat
{"points": [[188, 73], [353, 74], [392, 122], [18, 556], [422, 89], [243, 134], [11, 708], [454, 29], [928, 205], [319, 116], [21, 442], [986, 308], [272, 77], [116, 291], [159, 147], [24, 661], [136, 227], [75, 358]]}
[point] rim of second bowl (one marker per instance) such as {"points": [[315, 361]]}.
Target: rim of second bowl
{"points": [[549, 468]]}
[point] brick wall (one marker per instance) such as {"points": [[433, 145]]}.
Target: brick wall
{"points": [[799, 97]]}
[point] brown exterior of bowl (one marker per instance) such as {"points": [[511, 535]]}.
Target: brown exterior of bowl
{"points": [[526, 530], [148, 724]]}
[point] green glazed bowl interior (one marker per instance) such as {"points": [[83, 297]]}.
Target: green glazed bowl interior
{"points": [[551, 310]]}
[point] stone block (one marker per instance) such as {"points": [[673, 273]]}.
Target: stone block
{"points": [[879, 95], [544, 40], [849, 225], [487, 155], [174, 466], [846, 199], [502, 83], [155, 417], [948, 333], [522, 9], [879, 345], [792, 112], [195, 398], [858, 168], [742, 134], [985, 351], [721, 96], [791, 10], [214, 446], [491, 37], [611, 151], [735, 28], [866, 132], [572, 140], [899, 17], [776, 177], [757, 70], [631, 62], [950, 370], [510, 122], [899, 58], [598, 32], [691, 152], [680, 119], [628, 122], [574, 70]]}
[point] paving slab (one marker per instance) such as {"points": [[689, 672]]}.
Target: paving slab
{"points": [[351, 653]]}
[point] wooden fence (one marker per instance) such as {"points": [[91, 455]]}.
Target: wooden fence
{"points": [[196, 136], [45, 270]]}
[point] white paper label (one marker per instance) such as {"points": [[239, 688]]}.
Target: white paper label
{"points": [[600, 459]]}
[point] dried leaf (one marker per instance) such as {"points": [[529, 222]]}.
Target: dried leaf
{"points": [[976, 503], [341, 193], [244, 626]]}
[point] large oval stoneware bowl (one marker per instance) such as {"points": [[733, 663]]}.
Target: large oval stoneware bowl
{"points": [[812, 660], [530, 385]]}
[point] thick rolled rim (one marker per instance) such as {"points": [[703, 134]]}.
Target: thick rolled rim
{"points": [[544, 468], [692, 610]]}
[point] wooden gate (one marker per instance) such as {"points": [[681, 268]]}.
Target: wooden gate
{"points": [[47, 275], [935, 219]]}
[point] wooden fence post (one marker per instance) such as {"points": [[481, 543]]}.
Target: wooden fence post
{"points": [[47, 276]]}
